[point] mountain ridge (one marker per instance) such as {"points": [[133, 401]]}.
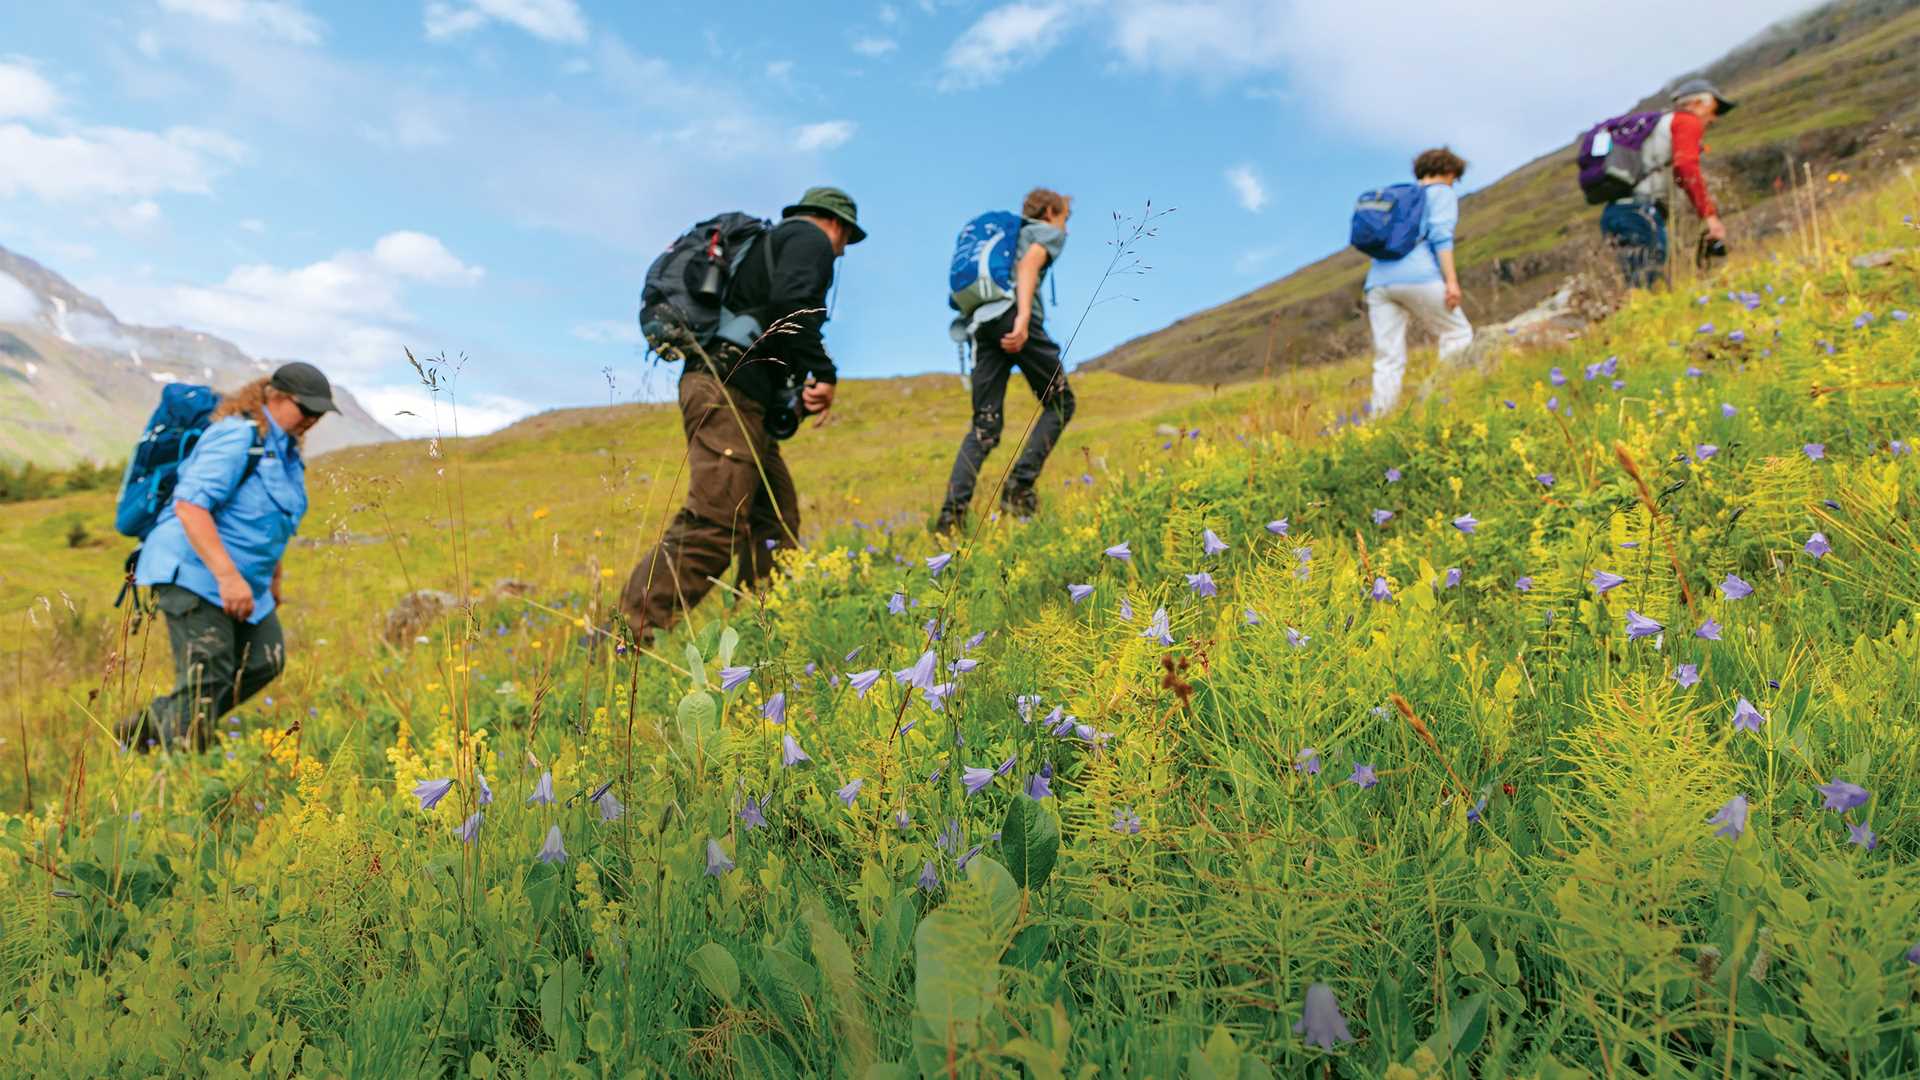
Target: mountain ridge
{"points": [[76, 383]]}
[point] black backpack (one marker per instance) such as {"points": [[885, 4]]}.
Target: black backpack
{"points": [[684, 299]]}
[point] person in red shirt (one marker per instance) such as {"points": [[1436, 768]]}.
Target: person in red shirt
{"points": [[1636, 226]]}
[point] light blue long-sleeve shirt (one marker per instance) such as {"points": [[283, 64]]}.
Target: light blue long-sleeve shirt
{"points": [[1421, 266], [255, 518]]}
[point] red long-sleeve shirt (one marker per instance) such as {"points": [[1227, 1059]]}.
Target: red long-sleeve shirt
{"points": [[1688, 131]]}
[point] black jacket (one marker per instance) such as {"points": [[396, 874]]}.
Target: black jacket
{"points": [[802, 274]]}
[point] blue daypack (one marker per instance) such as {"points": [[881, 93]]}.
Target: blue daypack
{"points": [[1388, 221], [983, 258], [153, 468]]}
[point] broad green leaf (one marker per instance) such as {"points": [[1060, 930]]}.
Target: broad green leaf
{"points": [[696, 667], [1217, 1059], [999, 897], [891, 939], [842, 982], [1466, 1026], [956, 973], [1465, 953], [699, 718], [790, 983], [729, 640], [717, 970], [1030, 837]]}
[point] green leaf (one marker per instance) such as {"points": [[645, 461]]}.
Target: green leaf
{"points": [[696, 667], [842, 982], [892, 938], [1466, 1026], [698, 718], [729, 640], [717, 971], [789, 982], [1030, 837], [1465, 953], [1217, 1059], [956, 973], [600, 1033], [999, 897]]}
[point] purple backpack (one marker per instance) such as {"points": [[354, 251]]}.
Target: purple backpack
{"points": [[1610, 161]]}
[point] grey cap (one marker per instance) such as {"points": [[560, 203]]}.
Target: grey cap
{"points": [[306, 385], [1702, 86]]}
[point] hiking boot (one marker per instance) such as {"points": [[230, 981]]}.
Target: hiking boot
{"points": [[949, 521], [1020, 502]]}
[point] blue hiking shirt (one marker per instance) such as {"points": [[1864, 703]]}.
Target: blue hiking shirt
{"points": [[1421, 266], [255, 519]]}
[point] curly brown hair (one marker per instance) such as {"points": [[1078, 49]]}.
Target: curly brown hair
{"points": [[250, 401], [1439, 162], [1043, 201]]}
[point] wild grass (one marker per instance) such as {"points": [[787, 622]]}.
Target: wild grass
{"points": [[1532, 888]]}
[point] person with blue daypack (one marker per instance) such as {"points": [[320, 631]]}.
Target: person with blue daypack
{"points": [[1408, 230], [998, 264], [212, 559]]}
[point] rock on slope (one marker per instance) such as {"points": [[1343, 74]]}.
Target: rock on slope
{"points": [[76, 383]]}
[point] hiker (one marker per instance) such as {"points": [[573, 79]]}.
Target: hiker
{"points": [[1421, 284], [738, 403], [213, 558], [1007, 330], [1635, 225]]}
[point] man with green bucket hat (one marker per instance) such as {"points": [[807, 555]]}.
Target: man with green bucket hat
{"points": [[736, 404]]}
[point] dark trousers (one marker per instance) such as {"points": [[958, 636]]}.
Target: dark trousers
{"points": [[1637, 233], [218, 662], [1039, 361], [732, 513]]}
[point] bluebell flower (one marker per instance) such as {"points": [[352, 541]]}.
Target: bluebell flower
{"points": [[1862, 835], [920, 674], [1709, 630], [775, 710], [1545, 479], [1079, 592], [1024, 704], [1278, 527], [975, 779], [542, 791], [1639, 626], [1478, 809], [1817, 545], [1704, 451], [897, 603], [470, 828], [937, 563], [1523, 583], [903, 821], [1686, 675], [1126, 821], [929, 878], [1211, 544], [850, 790], [936, 696], [1320, 1021], [949, 838], [1732, 818], [1040, 784], [1843, 796], [1307, 761], [1158, 629], [754, 814], [960, 864], [553, 850], [731, 677], [486, 793], [430, 792], [1603, 581], [1747, 718], [1735, 589], [1694, 372], [1814, 451], [790, 752], [1126, 610], [1202, 583], [1727, 410], [1453, 577], [1556, 376], [1382, 516], [1363, 776], [1120, 551], [862, 681], [1297, 639], [1393, 475], [1380, 591], [1465, 523], [717, 861]]}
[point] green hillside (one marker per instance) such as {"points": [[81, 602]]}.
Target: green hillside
{"points": [[1560, 726], [1836, 90]]}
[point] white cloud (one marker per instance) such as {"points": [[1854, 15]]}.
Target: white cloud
{"points": [[23, 92], [1518, 51], [18, 304], [138, 218], [253, 225], [95, 162], [889, 14], [558, 21], [609, 332], [411, 127], [1247, 188], [780, 70], [410, 410], [874, 46], [1003, 39], [346, 313], [827, 135], [280, 19]]}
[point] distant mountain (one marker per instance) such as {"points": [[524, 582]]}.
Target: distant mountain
{"points": [[1838, 87], [76, 383]]}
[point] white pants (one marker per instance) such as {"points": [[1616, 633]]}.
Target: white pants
{"points": [[1388, 309]]}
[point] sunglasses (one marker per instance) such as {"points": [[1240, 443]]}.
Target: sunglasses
{"points": [[308, 413]]}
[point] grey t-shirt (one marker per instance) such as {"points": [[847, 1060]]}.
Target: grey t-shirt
{"points": [[1032, 231]]}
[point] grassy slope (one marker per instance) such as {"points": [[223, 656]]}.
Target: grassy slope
{"points": [[1842, 91], [287, 905]]}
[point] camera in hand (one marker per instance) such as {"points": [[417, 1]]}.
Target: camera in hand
{"points": [[789, 405]]}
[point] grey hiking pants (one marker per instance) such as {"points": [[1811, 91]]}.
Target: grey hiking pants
{"points": [[218, 662], [1039, 361]]}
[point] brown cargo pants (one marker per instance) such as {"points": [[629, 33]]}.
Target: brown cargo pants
{"points": [[733, 513]]}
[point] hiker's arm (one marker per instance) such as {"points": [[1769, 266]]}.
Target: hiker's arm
{"points": [[1453, 279], [1688, 131], [236, 596], [1445, 215], [797, 301], [1026, 282]]}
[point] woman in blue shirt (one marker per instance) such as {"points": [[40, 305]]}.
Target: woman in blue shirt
{"points": [[213, 560], [1421, 287]]}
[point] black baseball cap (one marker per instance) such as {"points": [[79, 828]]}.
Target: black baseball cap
{"points": [[306, 385]]}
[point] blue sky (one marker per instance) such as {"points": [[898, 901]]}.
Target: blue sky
{"points": [[491, 177]]}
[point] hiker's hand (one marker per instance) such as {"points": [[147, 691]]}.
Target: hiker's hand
{"points": [[1453, 295], [236, 596], [1015, 339], [1716, 229], [818, 398]]}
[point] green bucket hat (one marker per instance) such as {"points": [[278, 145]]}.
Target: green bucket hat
{"points": [[834, 203]]}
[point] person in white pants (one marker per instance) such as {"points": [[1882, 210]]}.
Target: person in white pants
{"points": [[1422, 286]]}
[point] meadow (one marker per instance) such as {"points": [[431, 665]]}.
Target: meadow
{"points": [[1562, 725]]}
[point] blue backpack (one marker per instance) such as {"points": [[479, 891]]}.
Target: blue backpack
{"points": [[983, 257], [1388, 221], [153, 468]]}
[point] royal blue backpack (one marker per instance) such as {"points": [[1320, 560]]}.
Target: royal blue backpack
{"points": [[983, 258], [153, 468], [1388, 221]]}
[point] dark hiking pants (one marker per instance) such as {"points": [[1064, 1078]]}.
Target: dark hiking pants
{"points": [[732, 515], [1637, 233], [218, 662], [1040, 363]]}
